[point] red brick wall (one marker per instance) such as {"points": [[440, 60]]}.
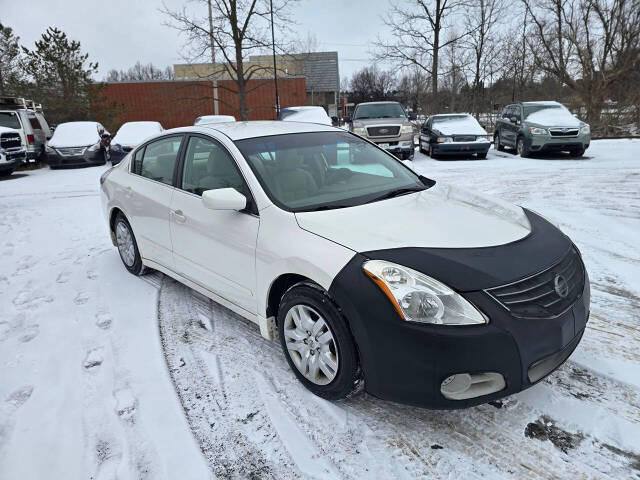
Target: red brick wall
{"points": [[178, 103]]}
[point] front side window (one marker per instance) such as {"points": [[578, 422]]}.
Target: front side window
{"points": [[9, 120], [321, 170], [159, 159], [208, 166]]}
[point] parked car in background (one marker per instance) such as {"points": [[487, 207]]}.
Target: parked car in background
{"points": [[453, 134], [76, 144], [12, 152], [129, 135], [305, 114], [548, 126], [387, 125], [22, 115], [209, 119], [370, 275]]}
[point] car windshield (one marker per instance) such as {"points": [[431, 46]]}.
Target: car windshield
{"points": [[450, 118], [9, 120], [324, 170], [379, 110], [529, 109]]}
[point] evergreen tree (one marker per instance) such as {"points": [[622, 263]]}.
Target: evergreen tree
{"points": [[10, 73]]}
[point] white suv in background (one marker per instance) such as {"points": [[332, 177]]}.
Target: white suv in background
{"points": [[26, 117]]}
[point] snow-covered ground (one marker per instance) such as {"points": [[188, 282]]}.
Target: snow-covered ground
{"points": [[105, 375]]}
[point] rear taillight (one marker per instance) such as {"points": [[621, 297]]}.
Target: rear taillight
{"points": [[30, 139]]}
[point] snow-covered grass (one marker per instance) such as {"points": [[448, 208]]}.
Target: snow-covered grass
{"points": [[105, 375]]}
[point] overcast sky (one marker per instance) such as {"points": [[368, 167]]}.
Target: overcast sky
{"points": [[117, 33]]}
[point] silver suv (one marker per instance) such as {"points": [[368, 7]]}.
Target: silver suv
{"points": [[532, 127], [387, 125]]}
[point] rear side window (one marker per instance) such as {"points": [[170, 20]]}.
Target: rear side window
{"points": [[159, 159], [34, 123], [9, 120]]}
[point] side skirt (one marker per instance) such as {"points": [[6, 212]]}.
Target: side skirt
{"points": [[267, 325]]}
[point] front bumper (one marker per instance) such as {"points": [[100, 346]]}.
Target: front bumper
{"points": [[547, 143], [54, 159], [407, 362], [10, 160], [401, 147], [460, 148]]}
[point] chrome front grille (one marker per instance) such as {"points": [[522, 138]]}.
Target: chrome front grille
{"points": [[383, 131], [70, 151], [547, 294], [10, 140], [564, 132]]}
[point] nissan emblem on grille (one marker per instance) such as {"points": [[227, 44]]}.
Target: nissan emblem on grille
{"points": [[561, 286]]}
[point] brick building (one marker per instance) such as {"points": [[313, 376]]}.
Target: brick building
{"points": [[177, 103]]}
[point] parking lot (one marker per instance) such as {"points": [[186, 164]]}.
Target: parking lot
{"points": [[138, 376]]}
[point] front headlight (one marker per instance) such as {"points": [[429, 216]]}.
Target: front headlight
{"points": [[359, 131], [419, 298], [538, 131], [444, 140], [586, 130], [407, 129]]}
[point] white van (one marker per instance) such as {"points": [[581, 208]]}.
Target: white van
{"points": [[24, 116]]}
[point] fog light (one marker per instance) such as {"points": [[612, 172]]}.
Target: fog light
{"points": [[464, 385]]}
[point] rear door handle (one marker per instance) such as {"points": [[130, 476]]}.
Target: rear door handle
{"points": [[180, 218]]}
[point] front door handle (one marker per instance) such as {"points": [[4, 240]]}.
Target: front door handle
{"points": [[180, 218]]}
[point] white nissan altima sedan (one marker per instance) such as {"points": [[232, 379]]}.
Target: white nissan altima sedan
{"points": [[371, 276]]}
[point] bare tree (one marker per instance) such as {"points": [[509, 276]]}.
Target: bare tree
{"points": [[456, 58], [417, 27], [309, 44], [481, 19], [139, 72], [371, 84], [586, 44], [238, 28]]}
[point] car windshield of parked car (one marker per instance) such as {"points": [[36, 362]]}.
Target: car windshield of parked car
{"points": [[75, 134], [550, 115], [324, 170], [9, 120], [379, 110], [457, 124], [133, 133]]}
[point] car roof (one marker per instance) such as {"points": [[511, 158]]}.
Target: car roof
{"points": [[260, 128], [451, 114], [378, 103], [542, 102]]}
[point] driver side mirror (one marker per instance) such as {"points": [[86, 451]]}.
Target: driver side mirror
{"points": [[515, 120], [224, 199]]}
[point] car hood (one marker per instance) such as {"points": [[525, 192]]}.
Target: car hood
{"points": [[440, 217]]}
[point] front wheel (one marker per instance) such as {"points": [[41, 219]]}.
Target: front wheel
{"points": [[127, 245], [6, 173], [317, 343], [496, 142], [482, 156], [576, 152], [420, 147], [522, 149], [431, 154]]}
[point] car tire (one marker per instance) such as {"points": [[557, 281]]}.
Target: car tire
{"points": [[576, 152], [521, 148], [420, 148], [127, 245], [482, 156], [431, 154], [306, 307], [6, 173], [496, 142]]}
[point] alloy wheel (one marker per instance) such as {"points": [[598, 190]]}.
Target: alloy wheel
{"points": [[310, 344], [125, 244]]}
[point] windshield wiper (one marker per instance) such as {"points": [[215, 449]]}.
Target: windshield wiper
{"points": [[324, 207], [396, 193]]}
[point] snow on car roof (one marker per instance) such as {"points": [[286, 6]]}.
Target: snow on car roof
{"points": [[305, 114], [457, 123], [132, 133], [75, 134], [259, 128], [205, 119]]}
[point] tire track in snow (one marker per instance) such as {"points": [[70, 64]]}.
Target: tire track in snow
{"points": [[476, 442]]}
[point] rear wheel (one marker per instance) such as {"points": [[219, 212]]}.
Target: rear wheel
{"points": [[522, 149], [127, 245], [317, 343]]}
